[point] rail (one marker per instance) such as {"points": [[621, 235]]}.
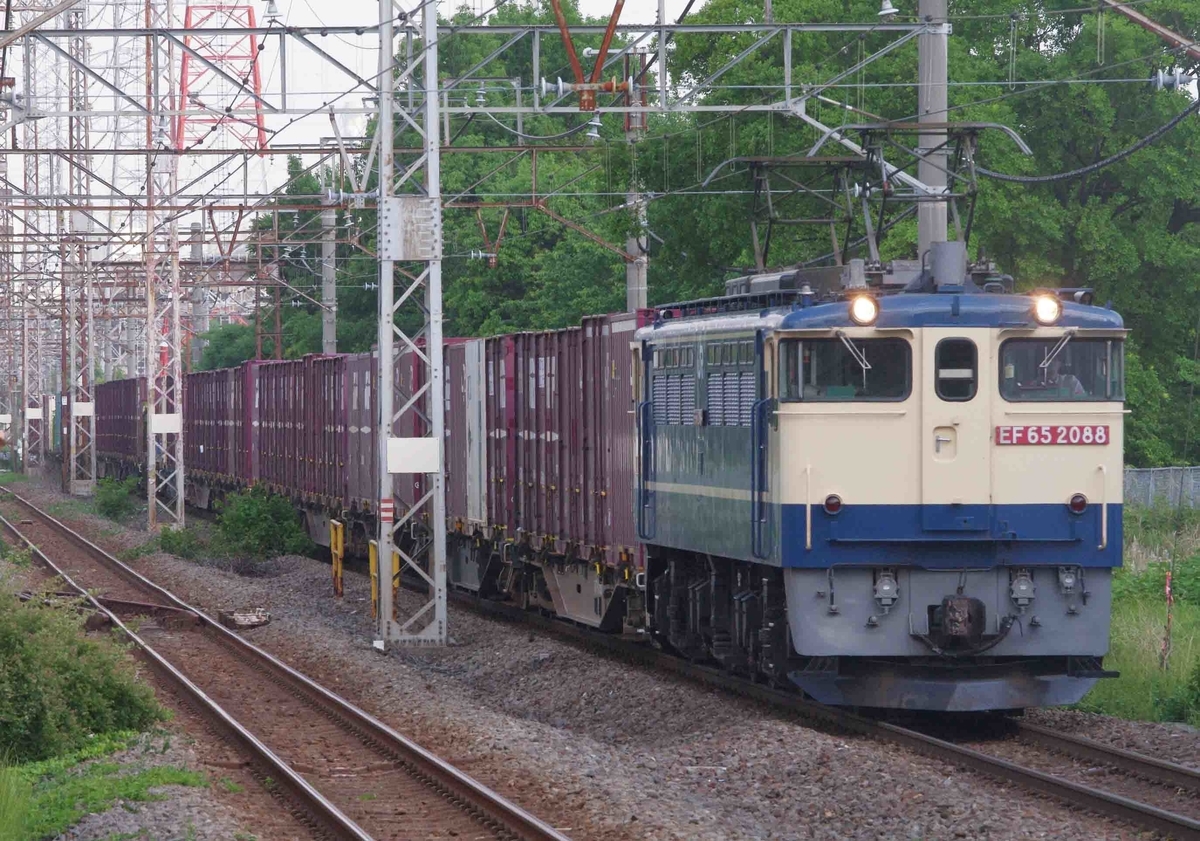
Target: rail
{"points": [[496, 808], [1177, 827]]}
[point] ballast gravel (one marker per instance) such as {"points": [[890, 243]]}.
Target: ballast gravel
{"points": [[180, 813], [601, 749]]}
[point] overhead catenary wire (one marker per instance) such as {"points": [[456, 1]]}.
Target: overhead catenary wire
{"points": [[1101, 164]]}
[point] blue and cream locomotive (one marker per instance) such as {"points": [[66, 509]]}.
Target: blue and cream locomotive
{"points": [[903, 496]]}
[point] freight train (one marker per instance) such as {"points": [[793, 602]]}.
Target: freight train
{"points": [[891, 496]]}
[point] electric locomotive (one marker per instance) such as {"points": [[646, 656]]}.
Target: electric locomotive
{"points": [[889, 495]]}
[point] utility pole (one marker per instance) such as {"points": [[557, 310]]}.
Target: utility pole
{"points": [[637, 244], [932, 73], [328, 278]]}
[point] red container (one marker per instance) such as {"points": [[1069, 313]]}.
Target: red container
{"points": [[560, 443], [120, 420], [324, 433], [212, 412], [618, 436], [456, 439], [361, 409], [277, 385], [500, 362]]}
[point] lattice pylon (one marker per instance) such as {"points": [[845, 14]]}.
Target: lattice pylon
{"points": [[164, 371], [79, 450], [220, 80]]}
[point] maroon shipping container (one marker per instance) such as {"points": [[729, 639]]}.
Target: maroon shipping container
{"points": [[361, 409], [560, 442], [324, 434], [212, 420], [456, 450], [276, 386], [500, 364], [617, 440], [120, 420]]}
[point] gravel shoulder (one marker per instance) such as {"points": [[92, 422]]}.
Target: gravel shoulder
{"points": [[183, 812], [600, 749]]}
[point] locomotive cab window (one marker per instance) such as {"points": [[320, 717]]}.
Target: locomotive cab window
{"points": [[844, 369], [956, 369], [1062, 369]]}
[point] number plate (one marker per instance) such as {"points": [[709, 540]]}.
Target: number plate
{"points": [[1039, 435]]}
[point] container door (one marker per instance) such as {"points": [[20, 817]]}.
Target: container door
{"points": [[957, 385]]}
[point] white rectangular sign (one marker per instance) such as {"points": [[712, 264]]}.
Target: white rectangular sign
{"points": [[169, 424], [414, 455]]}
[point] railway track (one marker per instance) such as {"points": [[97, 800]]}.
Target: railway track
{"points": [[340, 770], [1157, 783]]}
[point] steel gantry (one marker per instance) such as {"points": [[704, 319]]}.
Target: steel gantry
{"points": [[123, 106]]}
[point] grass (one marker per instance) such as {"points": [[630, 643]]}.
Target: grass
{"points": [[7, 477], [70, 508], [1144, 691], [51, 795], [16, 796]]}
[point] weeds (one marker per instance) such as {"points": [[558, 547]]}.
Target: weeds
{"points": [[63, 796], [230, 786], [1145, 691], [58, 686], [115, 498], [148, 547], [182, 543], [256, 524], [21, 557], [16, 798]]}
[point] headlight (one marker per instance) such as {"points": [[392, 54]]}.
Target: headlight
{"points": [[864, 310], [1046, 309]]}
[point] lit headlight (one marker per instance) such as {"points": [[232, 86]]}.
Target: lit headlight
{"points": [[1046, 309], [864, 310]]}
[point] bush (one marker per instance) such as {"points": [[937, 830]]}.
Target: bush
{"points": [[257, 524], [58, 687], [182, 543], [1150, 582], [115, 499], [1182, 704]]}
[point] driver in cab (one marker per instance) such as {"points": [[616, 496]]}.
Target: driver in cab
{"points": [[1067, 384]]}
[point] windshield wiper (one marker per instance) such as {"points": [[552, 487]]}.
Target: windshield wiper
{"points": [[1057, 349], [855, 351]]}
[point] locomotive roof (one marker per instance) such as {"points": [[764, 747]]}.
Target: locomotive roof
{"points": [[911, 310]]}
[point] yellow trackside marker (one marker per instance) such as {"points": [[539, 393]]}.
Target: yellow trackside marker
{"points": [[395, 584], [337, 549], [373, 560]]}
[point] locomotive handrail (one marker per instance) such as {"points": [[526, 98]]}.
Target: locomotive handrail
{"points": [[808, 507], [645, 469], [758, 449], [1103, 508]]}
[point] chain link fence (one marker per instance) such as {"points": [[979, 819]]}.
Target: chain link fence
{"points": [[1150, 486]]}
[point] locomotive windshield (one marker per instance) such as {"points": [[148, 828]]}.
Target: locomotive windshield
{"points": [[845, 369], [1071, 370]]}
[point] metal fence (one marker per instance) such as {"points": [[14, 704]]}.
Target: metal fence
{"points": [[1149, 486]]}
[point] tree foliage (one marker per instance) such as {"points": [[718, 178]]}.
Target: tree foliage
{"points": [[1131, 230]]}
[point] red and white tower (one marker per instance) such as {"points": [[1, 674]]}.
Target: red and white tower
{"points": [[220, 79]]}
